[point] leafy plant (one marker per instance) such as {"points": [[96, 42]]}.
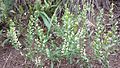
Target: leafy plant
{"points": [[46, 39]]}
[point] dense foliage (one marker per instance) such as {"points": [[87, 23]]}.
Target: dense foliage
{"points": [[60, 29]]}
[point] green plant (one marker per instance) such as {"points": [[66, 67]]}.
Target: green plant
{"points": [[47, 40], [12, 35]]}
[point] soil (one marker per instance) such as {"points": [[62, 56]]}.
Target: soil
{"points": [[12, 58], [114, 59]]}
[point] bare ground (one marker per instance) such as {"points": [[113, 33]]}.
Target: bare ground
{"points": [[11, 58]]}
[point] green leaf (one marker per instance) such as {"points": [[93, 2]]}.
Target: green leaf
{"points": [[21, 10], [46, 3], [46, 20], [48, 52]]}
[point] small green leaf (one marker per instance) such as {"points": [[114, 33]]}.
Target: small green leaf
{"points": [[48, 52], [21, 9]]}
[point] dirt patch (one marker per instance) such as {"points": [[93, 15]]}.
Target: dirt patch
{"points": [[11, 58], [114, 60]]}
